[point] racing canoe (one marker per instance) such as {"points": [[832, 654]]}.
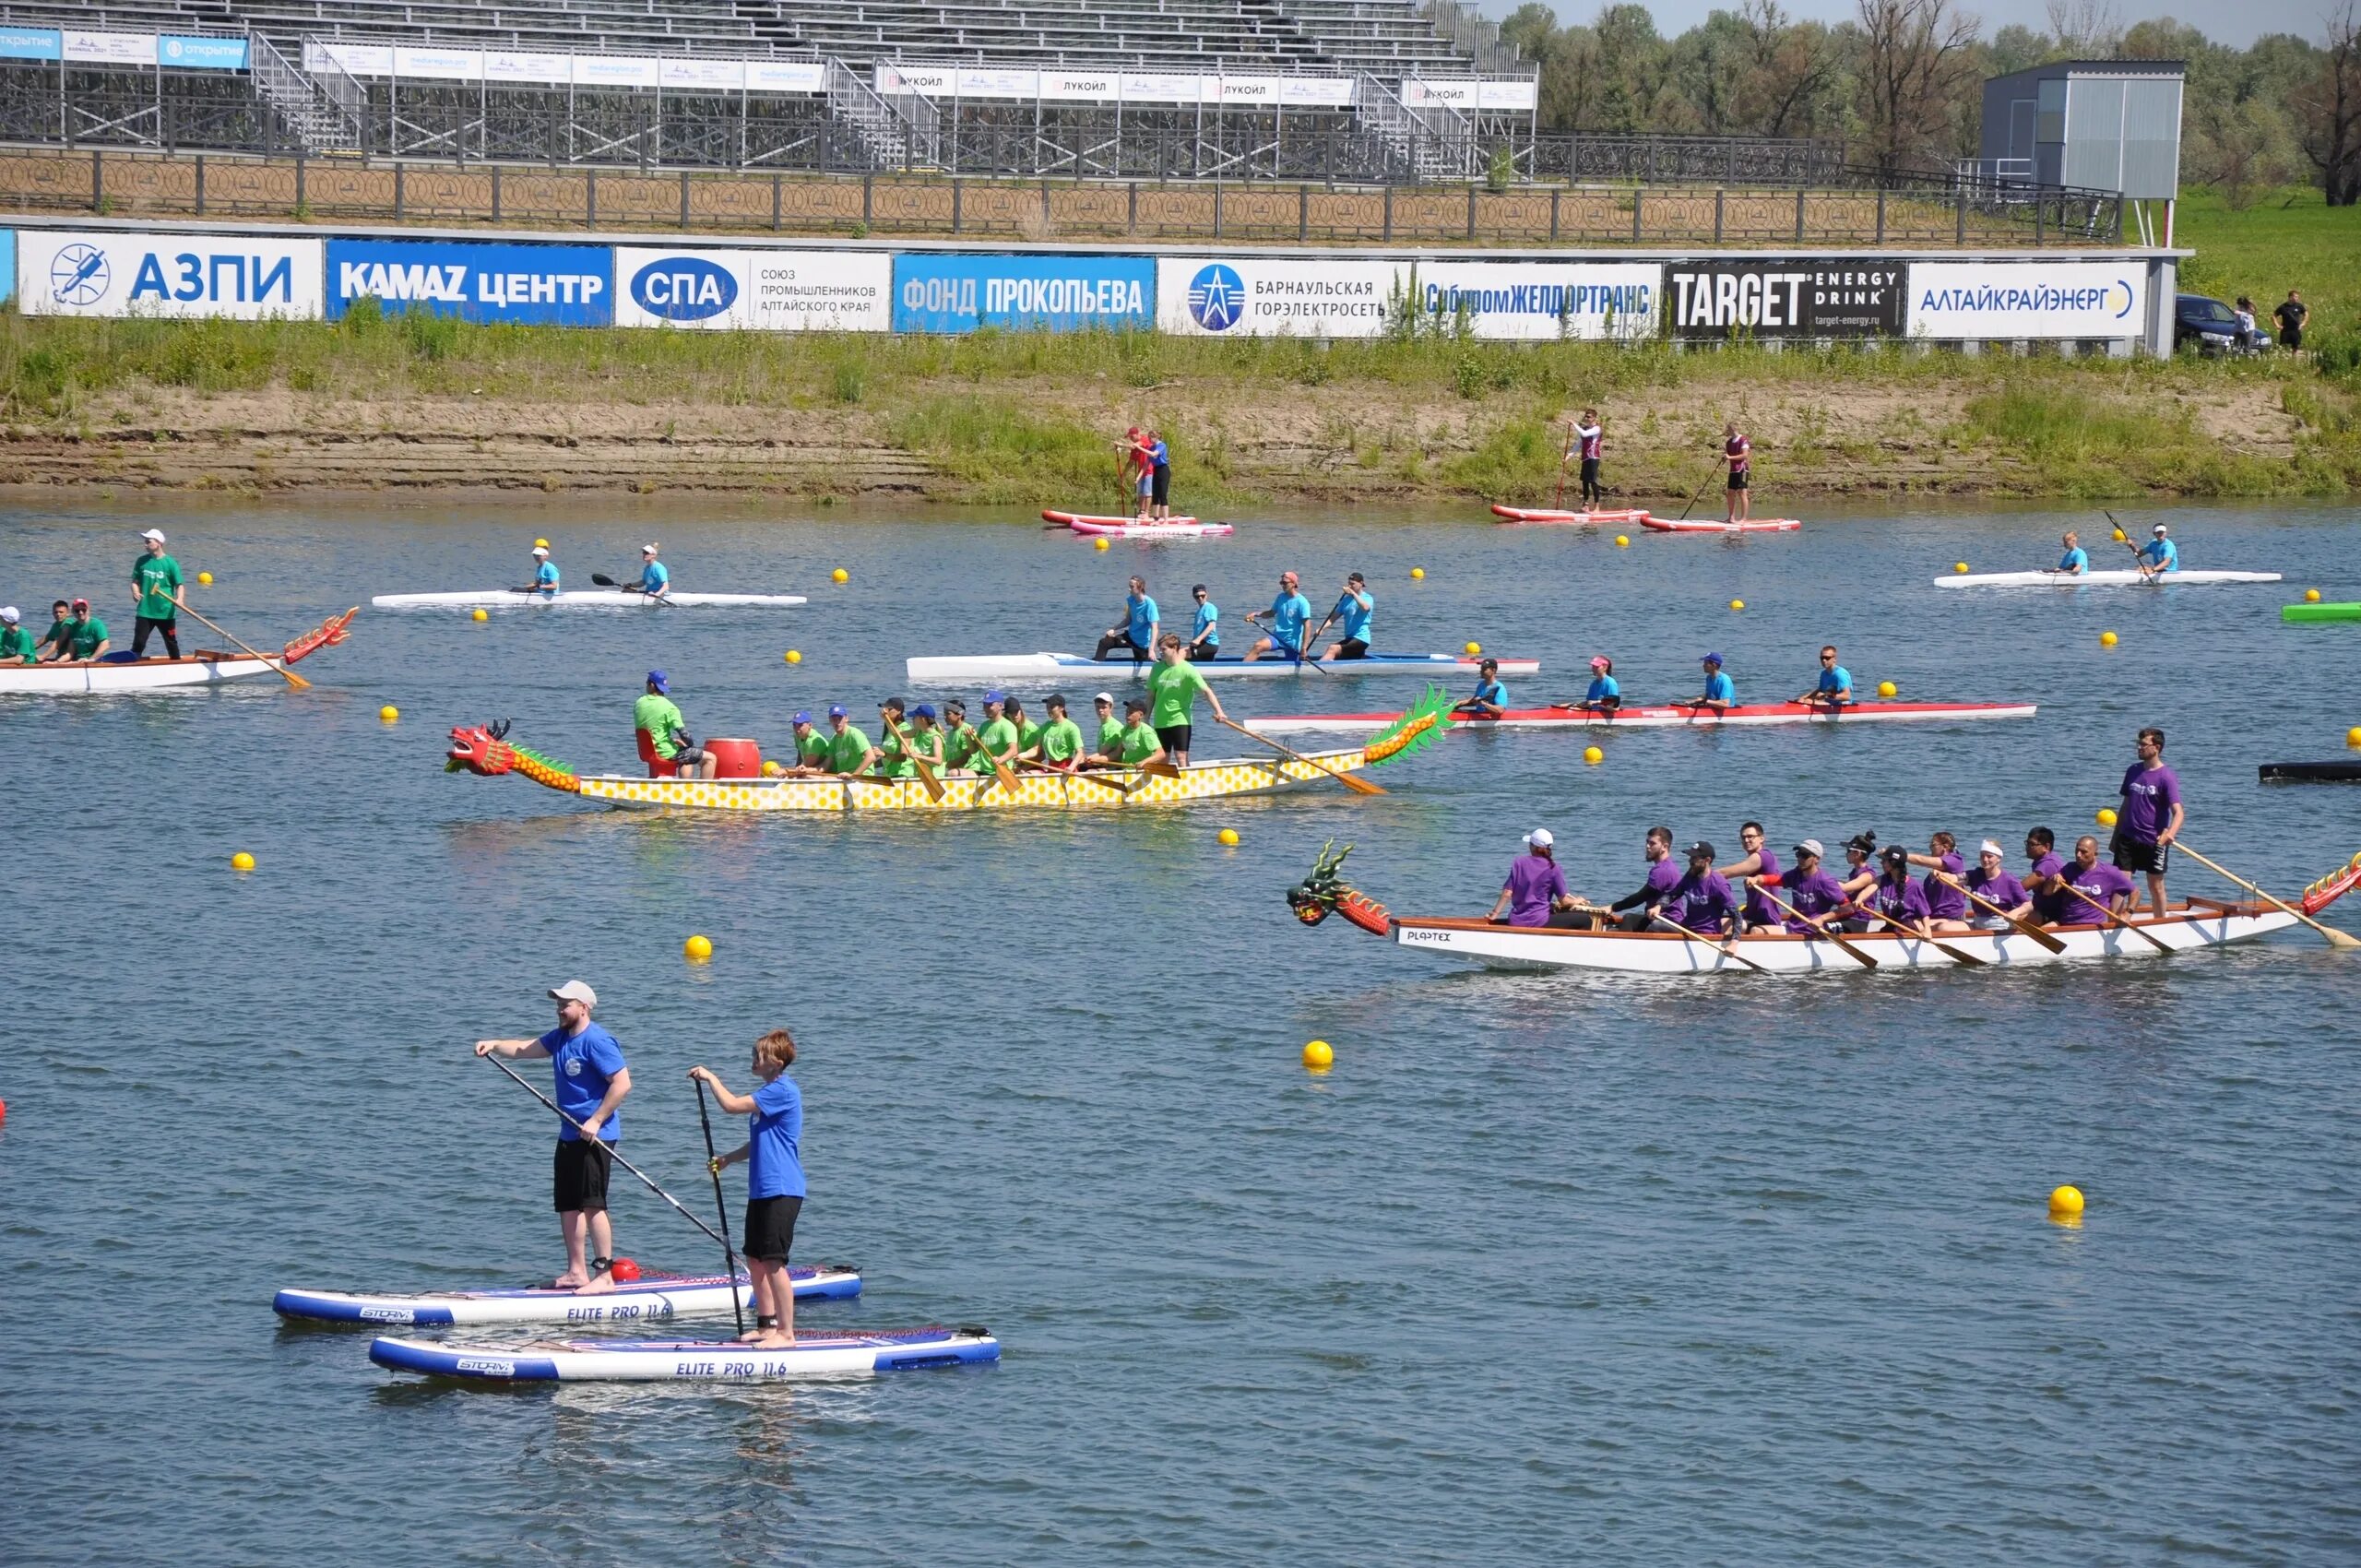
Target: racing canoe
{"points": [[584, 598], [688, 1360], [1714, 525], [1657, 716], [1131, 527], [2342, 772], [204, 667], [652, 1298], [1069, 668], [2097, 579], [1543, 514]]}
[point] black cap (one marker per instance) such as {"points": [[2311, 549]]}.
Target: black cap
{"points": [[1895, 855], [1865, 842], [1700, 848], [1055, 699]]}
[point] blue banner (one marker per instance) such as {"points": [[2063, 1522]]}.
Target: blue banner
{"points": [[32, 43], [556, 285], [7, 264], [180, 53], [1037, 294]]}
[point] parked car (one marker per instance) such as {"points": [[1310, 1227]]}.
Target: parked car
{"points": [[2212, 326]]}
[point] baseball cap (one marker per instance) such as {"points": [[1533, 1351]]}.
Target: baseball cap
{"points": [[9, 613], [156, 534], [1809, 847], [836, 710], [1700, 848], [1055, 699], [1540, 838], [804, 717], [81, 604], [648, 550], [1135, 705], [1711, 658], [1598, 662], [1990, 848], [995, 696], [540, 549], [574, 991], [1107, 698], [923, 710], [656, 679], [1895, 855]]}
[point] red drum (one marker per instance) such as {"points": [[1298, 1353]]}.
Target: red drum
{"points": [[735, 759]]}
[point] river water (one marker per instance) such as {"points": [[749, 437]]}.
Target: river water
{"points": [[1546, 1268]]}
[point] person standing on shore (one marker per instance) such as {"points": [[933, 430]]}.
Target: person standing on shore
{"points": [[1739, 452], [156, 589], [1591, 437], [592, 1080], [2291, 316], [2151, 819], [775, 1188]]}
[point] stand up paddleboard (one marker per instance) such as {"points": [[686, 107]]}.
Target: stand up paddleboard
{"points": [[652, 1298], [1131, 527], [1752, 524], [688, 1360], [2097, 579], [1543, 515]]}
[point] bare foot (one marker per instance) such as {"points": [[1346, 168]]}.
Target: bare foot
{"points": [[773, 1339], [751, 1335], [598, 1284], [567, 1282]]}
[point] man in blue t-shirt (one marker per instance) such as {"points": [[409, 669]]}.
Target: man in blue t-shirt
{"points": [[774, 1155], [1290, 615], [544, 572], [1355, 607], [1834, 687], [655, 578], [2159, 556], [1138, 629], [591, 1082], [2076, 562]]}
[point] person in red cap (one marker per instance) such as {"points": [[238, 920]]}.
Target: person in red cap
{"points": [[591, 1083], [80, 640]]}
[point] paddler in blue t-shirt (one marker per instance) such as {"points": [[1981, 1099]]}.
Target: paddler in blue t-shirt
{"points": [[2158, 557], [655, 579], [1834, 687], [1605, 695], [773, 1152], [1491, 698], [591, 1083], [1138, 628], [2076, 560], [544, 571], [1355, 607], [1290, 616], [1721, 694]]}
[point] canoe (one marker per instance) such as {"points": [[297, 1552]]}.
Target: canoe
{"points": [[204, 667], [2194, 923], [1071, 668], [585, 599], [1543, 515], [688, 1360], [2098, 579], [651, 1299], [2339, 772], [1131, 527], [1752, 524], [1656, 718], [2316, 614]]}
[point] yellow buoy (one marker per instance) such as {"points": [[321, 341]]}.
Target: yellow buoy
{"points": [[482, 614], [1318, 1056], [771, 769], [1622, 541], [795, 656], [1475, 649], [1960, 567], [389, 713], [1887, 688], [1738, 604], [1592, 755], [2106, 817], [697, 949], [2352, 736], [1417, 574], [242, 861], [1229, 836], [1100, 543], [840, 574], [2311, 596], [2066, 1204], [2106, 639], [205, 579]]}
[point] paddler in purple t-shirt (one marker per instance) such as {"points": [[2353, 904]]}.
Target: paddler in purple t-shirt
{"points": [[1898, 901], [1534, 894], [2151, 819], [1947, 906], [2096, 883], [1990, 881], [1662, 871], [2046, 880], [1701, 902], [1757, 866], [1808, 890]]}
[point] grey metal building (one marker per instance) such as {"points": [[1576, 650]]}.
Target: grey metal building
{"points": [[2094, 124]]}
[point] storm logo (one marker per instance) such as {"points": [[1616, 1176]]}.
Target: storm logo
{"points": [[1216, 298]]}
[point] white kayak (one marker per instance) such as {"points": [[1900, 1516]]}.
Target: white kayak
{"points": [[1072, 667], [688, 1360], [579, 598], [2097, 579], [652, 1298]]}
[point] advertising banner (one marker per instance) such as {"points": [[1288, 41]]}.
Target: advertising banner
{"points": [[64, 273], [1832, 297], [32, 43], [614, 70], [764, 290], [352, 59], [1507, 95], [181, 53], [561, 285], [1316, 92], [786, 76], [1053, 293], [928, 81], [2027, 299], [110, 48], [1251, 296], [528, 66], [1543, 300], [7, 264]]}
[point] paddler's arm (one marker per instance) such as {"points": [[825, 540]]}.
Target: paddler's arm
{"points": [[1499, 907], [511, 1048], [617, 1086], [735, 1104]]}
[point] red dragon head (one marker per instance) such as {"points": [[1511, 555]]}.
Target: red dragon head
{"points": [[481, 748]]}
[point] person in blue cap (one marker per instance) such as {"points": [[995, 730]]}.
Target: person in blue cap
{"points": [[811, 748], [849, 749], [925, 735], [663, 738], [1721, 695]]}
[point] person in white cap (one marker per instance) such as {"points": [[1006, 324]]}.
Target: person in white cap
{"points": [[17, 645], [544, 572], [655, 580], [1991, 882], [2159, 555], [1535, 893], [156, 588], [591, 1083]]}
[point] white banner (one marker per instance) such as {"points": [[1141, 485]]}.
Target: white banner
{"points": [[1446, 94], [944, 82], [1243, 89], [1160, 87], [166, 275], [614, 70], [977, 82], [1541, 299], [712, 76], [1316, 92], [439, 64], [110, 48], [1250, 296], [786, 76], [513, 65], [1081, 86], [928, 81], [352, 59], [1507, 95], [766, 291], [2003, 299]]}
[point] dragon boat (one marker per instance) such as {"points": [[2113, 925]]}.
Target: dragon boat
{"points": [[203, 667], [2190, 923], [486, 750]]}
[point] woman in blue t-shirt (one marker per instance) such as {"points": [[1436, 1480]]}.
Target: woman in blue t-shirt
{"points": [[774, 1180]]}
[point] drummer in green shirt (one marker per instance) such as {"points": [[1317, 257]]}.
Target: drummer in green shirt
{"points": [[811, 747], [80, 638], [17, 644], [996, 741], [891, 762], [1172, 688], [1140, 743], [156, 589], [655, 716], [1058, 744], [849, 749]]}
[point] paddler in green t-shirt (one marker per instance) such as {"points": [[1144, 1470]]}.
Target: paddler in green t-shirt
{"points": [[17, 644], [996, 741], [156, 589], [59, 638], [891, 763], [1172, 688], [926, 739], [1058, 744], [1140, 744], [958, 735], [1028, 734], [849, 749], [655, 716], [1107, 750], [81, 637], [811, 748]]}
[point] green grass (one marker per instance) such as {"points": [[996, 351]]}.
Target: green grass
{"points": [[2286, 240]]}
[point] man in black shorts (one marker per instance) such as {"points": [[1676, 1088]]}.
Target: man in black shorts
{"points": [[591, 1082], [1160, 479], [1355, 607], [2291, 316]]}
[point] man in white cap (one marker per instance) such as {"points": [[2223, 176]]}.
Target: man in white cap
{"points": [[655, 581], [1535, 893], [544, 573], [2159, 555], [17, 645], [591, 1082], [156, 588]]}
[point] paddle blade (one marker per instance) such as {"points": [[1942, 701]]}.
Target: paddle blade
{"points": [[1415, 730]]}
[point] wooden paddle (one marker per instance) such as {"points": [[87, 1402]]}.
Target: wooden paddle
{"points": [[2111, 918], [1359, 786], [293, 680], [1850, 951], [999, 769], [2335, 938], [1077, 773], [1959, 956], [926, 773], [1723, 946], [2024, 928]]}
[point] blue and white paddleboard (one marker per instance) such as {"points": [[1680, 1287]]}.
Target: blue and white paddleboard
{"points": [[688, 1360], [652, 1298]]}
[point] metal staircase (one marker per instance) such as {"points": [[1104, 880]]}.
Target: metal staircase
{"points": [[317, 120], [903, 132], [1431, 144]]}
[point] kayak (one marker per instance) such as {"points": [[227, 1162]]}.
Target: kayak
{"points": [[1542, 514], [1752, 524], [1049, 668], [1131, 527], [2316, 614], [2339, 772], [205, 667], [687, 1360], [1661, 716], [585, 599], [650, 1299], [2096, 579]]}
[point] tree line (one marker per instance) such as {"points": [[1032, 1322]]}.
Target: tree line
{"points": [[1901, 83]]}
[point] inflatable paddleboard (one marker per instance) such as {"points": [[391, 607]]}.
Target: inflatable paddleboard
{"points": [[1752, 524], [1131, 527], [652, 1298], [688, 1360], [1543, 515]]}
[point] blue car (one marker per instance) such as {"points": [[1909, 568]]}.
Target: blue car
{"points": [[2212, 326]]}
